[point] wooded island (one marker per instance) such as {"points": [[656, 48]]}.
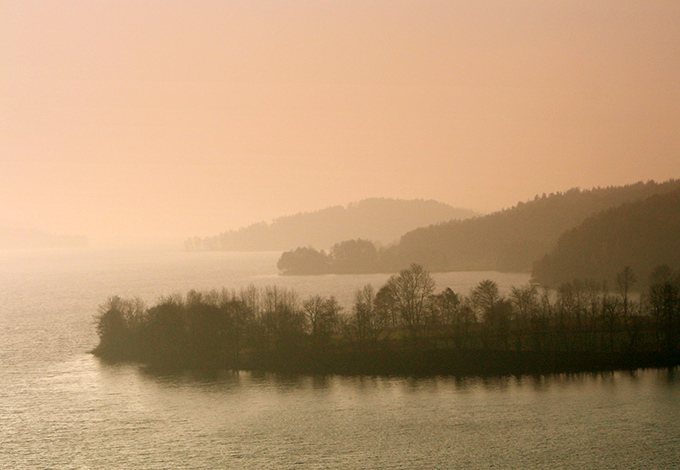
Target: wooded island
{"points": [[404, 327]]}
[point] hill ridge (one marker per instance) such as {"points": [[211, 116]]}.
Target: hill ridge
{"points": [[382, 220], [509, 240]]}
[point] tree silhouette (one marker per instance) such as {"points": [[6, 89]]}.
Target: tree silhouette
{"points": [[412, 290]]}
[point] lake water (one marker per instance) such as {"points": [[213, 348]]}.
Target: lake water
{"points": [[62, 408]]}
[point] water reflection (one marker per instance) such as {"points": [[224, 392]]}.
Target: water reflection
{"points": [[262, 420], [670, 376], [228, 380]]}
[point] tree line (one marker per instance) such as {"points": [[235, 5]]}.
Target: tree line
{"points": [[404, 326], [356, 256]]}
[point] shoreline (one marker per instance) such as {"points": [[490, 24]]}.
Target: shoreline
{"points": [[427, 363]]}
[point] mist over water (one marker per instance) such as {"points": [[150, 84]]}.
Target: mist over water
{"points": [[62, 408], [246, 125]]}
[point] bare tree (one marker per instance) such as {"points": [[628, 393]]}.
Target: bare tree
{"points": [[412, 290], [366, 324]]}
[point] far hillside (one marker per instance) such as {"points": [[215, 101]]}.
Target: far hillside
{"points": [[510, 240], [641, 235], [19, 238], [379, 219]]}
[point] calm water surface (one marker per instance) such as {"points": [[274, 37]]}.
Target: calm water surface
{"points": [[62, 408]]}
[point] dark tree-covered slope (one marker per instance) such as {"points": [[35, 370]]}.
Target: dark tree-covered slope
{"points": [[380, 219], [512, 239], [641, 234]]}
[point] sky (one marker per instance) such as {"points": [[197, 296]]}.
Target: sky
{"points": [[127, 120]]}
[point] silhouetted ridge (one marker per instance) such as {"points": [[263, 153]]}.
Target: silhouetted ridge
{"points": [[641, 234], [380, 219], [512, 239]]}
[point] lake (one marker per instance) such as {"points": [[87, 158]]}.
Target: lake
{"points": [[60, 407]]}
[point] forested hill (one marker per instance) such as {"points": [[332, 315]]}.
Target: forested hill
{"points": [[380, 219], [641, 234], [14, 238], [513, 239], [510, 240]]}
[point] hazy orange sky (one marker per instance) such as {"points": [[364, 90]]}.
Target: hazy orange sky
{"points": [[122, 119]]}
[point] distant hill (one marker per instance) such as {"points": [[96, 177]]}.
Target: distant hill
{"points": [[13, 238], [379, 219], [642, 234], [510, 240]]}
